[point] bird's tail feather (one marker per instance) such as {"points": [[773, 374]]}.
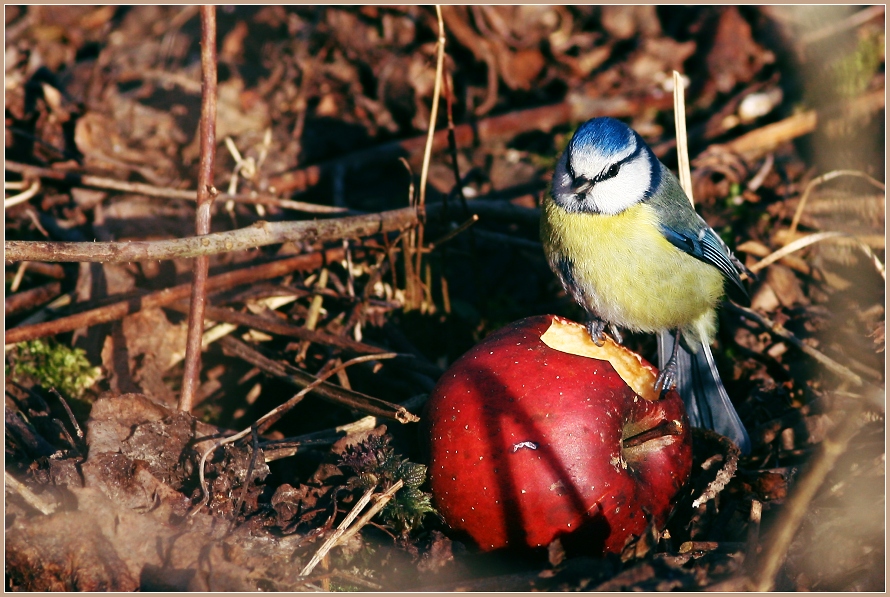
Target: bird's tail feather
{"points": [[698, 382]]}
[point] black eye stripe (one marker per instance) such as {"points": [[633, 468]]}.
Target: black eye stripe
{"points": [[612, 171]]}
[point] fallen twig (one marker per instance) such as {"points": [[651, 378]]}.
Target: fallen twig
{"points": [[332, 393], [110, 184], [31, 298], [258, 235], [191, 372], [730, 454], [161, 298], [577, 107], [781, 332], [810, 239], [764, 140]]}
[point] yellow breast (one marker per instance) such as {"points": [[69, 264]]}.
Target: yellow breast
{"points": [[627, 273]]}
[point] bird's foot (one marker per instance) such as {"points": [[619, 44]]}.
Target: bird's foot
{"points": [[667, 377], [596, 328]]}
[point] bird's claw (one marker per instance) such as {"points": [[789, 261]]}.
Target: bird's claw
{"points": [[667, 377], [666, 380], [596, 328]]}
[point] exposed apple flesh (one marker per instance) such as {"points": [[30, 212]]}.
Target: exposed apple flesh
{"points": [[537, 433]]}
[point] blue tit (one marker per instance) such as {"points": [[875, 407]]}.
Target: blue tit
{"points": [[625, 241]]}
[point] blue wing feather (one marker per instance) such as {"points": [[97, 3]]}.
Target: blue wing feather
{"points": [[711, 250]]}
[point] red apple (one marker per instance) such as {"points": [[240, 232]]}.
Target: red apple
{"points": [[536, 433]]}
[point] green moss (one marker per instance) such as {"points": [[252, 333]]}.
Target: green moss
{"points": [[375, 462], [853, 72], [53, 365]]}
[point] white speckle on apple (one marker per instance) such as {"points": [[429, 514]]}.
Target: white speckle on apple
{"points": [[523, 491], [525, 444]]}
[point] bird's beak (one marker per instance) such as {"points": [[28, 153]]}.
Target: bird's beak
{"points": [[580, 185]]}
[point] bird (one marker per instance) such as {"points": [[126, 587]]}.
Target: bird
{"points": [[625, 241]]}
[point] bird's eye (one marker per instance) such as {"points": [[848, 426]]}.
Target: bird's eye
{"points": [[612, 172]]}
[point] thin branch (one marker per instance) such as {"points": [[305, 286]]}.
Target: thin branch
{"points": [[206, 192], [161, 298], [258, 235], [110, 184], [780, 331], [576, 107], [301, 379]]}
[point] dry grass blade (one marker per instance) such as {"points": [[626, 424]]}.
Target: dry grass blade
{"points": [[344, 531], [23, 196], [822, 179], [682, 142], [331, 541], [31, 498], [806, 241]]}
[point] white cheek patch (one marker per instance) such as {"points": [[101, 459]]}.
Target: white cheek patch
{"points": [[628, 188]]}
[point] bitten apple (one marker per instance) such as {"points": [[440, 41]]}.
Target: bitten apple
{"points": [[536, 433]]}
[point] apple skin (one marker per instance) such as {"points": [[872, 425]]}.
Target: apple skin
{"points": [[525, 446]]}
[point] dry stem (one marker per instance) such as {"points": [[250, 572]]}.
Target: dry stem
{"points": [[206, 192], [122, 308], [139, 188], [258, 235]]}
